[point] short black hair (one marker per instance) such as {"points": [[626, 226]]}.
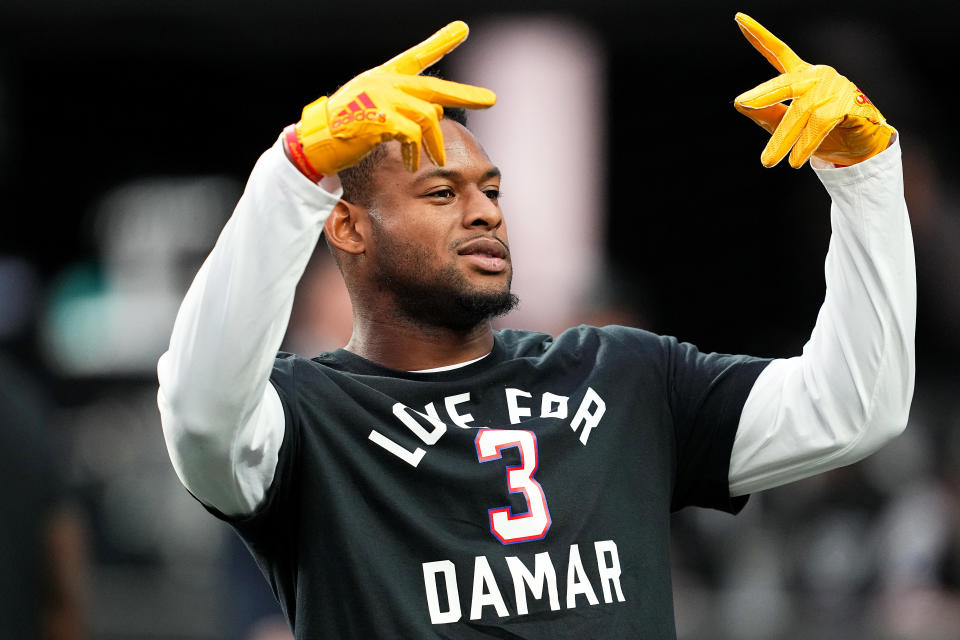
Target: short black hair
{"points": [[356, 179]]}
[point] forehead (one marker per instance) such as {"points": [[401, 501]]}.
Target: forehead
{"points": [[463, 154]]}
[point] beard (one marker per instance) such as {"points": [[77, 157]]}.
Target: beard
{"points": [[433, 297]]}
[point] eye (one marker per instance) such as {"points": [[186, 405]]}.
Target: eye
{"points": [[445, 192], [493, 193]]}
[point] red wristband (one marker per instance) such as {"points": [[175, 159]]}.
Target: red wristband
{"points": [[297, 156]]}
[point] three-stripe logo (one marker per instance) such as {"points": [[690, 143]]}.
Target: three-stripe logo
{"points": [[360, 108]]}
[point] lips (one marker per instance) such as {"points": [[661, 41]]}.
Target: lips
{"points": [[487, 254]]}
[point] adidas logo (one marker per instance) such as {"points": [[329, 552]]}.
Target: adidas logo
{"points": [[360, 108]]}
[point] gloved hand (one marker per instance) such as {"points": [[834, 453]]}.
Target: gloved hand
{"points": [[385, 103], [828, 116]]}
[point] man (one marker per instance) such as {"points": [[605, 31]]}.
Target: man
{"points": [[435, 478]]}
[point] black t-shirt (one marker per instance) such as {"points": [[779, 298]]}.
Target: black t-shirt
{"points": [[526, 495]]}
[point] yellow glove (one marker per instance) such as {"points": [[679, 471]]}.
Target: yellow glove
{"points": [[385, 103], [828, 117]]}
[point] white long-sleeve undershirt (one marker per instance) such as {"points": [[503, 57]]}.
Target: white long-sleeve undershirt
{"points": [[850, 391], [222, 420], [843, 398]]}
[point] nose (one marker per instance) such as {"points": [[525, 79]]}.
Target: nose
{"points": [[482, 211]]}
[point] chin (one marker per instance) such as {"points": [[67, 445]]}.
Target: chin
{"points": [[491, 289]]}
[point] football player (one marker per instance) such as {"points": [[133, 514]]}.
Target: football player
{"points": [[437, 478]]}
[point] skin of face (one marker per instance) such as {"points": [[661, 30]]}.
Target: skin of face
{"points": [[437, 240]]}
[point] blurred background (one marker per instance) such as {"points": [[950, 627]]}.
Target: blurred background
{"points": [[634, 195]]}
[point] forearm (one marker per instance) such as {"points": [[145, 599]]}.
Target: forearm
{"points": [[850, 391], [218, 409]]}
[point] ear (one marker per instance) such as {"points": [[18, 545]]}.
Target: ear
{"points": [[345, 226]]}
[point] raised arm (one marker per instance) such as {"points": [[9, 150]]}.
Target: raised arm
{"points": [[222, 420], [850, 391]]}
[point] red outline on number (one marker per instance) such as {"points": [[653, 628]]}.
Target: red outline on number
{"points": [[536, 464]]}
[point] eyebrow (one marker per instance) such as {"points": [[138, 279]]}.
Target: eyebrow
{"points": [[440, 172]]}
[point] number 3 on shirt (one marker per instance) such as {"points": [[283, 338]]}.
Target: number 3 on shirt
{"points": [[507, 527]]}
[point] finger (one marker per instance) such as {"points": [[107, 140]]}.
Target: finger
{"points": [[419, 57], [410, 152], [818, 127], [766, 117], [446, 92], [786, 86], [773, 49], [409, 134], [785, 135], [427, 117]]}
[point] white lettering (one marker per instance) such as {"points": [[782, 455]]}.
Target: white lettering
{"points": [[577, 582], [553, 406], [517, 413], [609, 573], [449, 571], [429, 437], [544, 573], [412, 458], [462, 421], [540, 583], [432, 412], [586, 418], [485, 590], [583, 415]]}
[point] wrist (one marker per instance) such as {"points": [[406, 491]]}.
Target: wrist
{"points": [[294, 151]]}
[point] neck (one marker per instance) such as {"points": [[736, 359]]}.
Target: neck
{"points": [[400, 343]]}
